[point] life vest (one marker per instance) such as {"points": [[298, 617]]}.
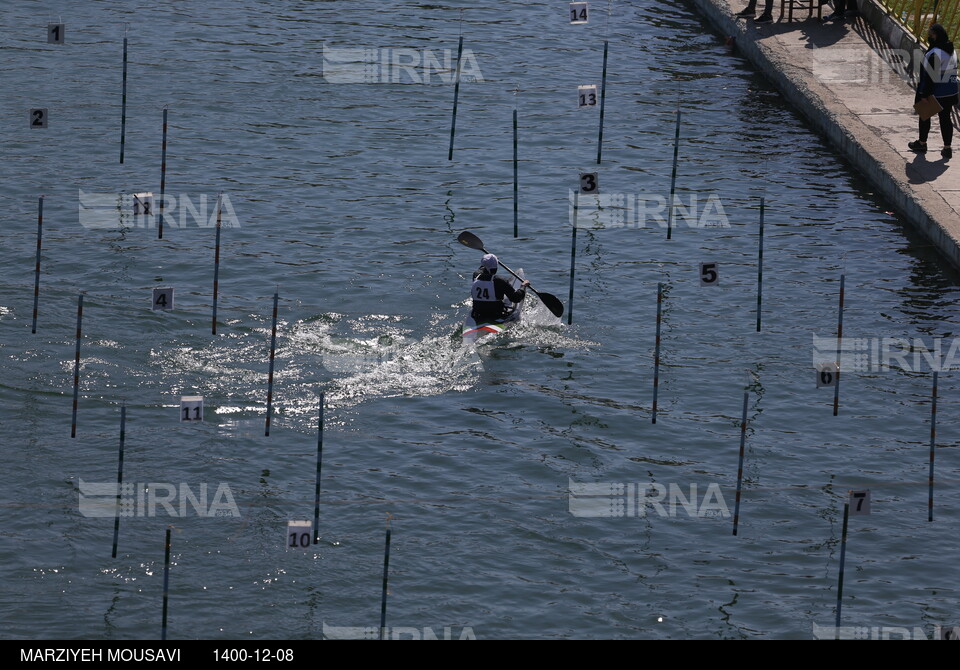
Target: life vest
{"points": [[483, 290], [945, 81]]}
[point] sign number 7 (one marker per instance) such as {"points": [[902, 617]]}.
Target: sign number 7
{"points": [[859, 502]]}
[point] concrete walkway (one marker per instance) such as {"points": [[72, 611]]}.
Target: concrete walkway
{"points": [[838, 75]]}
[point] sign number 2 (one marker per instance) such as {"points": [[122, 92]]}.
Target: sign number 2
{"points": [[38, 117]]}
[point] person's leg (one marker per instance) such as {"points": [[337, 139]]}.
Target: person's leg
{"points": [[750, 9], [946, 124], [767, 16], [920, 146], [839, 7]]}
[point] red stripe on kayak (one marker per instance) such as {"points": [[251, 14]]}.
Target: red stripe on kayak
{"points": [[486, 328]]}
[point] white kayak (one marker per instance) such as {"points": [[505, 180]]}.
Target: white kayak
{"points": [[473, 331]]}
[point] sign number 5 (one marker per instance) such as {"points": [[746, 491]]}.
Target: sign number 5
{"points": [[709, 274]]}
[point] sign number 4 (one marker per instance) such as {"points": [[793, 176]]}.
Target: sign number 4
{"points": [[162, 299]]}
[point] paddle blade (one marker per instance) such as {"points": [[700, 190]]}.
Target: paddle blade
{"points": [[468, 239], [552, 303]]}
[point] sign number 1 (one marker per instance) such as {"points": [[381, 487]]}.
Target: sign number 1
{"points": [[55, 33]]}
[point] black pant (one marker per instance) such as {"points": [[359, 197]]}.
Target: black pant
{"points": [[946, 125], [767, 6], [840, 6]]}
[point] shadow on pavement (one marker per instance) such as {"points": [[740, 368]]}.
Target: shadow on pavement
{"points": [[921, 171]]}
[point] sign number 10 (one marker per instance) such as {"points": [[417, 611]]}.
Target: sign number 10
{"points": [[299, 534]]}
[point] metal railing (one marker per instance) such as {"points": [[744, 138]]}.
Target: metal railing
{"points": [[918, 15]]}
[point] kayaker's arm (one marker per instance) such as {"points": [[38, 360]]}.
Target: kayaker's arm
{"points": [[514, 295]]}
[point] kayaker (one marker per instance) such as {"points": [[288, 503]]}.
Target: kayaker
{"points": [[489, 290]]}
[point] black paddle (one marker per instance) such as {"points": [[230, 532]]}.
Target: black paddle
{"points": [[551, 301]]}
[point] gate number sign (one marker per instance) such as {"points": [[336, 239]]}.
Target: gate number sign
{"points": [[299, 534], [588, 182], [859, 502], [54, 33], [587, 95], [826, 375], [162, 299], [191, 408], [579, 12]]}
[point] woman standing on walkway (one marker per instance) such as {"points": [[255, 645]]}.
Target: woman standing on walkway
{"points": [[938, 77]]}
